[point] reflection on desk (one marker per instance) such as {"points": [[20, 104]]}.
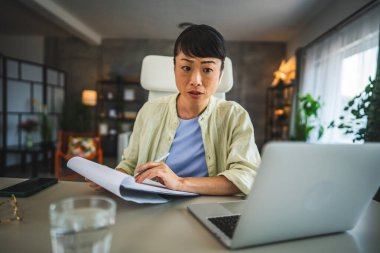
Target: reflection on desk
{"points": [[167, 227]]}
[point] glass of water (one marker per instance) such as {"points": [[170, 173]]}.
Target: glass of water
{"points": [[82, 224]]}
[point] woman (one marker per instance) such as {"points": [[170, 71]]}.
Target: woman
{"points": [[211, 141]]}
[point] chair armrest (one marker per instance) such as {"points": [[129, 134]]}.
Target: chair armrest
{"points": [[59, 153]]}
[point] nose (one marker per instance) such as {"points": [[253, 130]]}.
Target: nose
{"points": [[196, 78]]}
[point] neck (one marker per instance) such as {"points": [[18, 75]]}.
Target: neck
{"points": [[188, 110]]}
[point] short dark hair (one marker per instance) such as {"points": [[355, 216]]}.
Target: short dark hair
{"points": [[201, 41]]}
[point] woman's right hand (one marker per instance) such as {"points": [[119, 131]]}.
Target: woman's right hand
{"points": [[93, 185], [97, 187]]}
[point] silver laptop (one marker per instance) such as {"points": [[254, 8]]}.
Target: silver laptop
{"points": [[301, 190]]}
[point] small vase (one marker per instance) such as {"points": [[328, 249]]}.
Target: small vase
{"points": [[28, 140]]}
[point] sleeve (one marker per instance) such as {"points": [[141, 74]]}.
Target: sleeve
{"points": [[131, 153], [243, 157]]}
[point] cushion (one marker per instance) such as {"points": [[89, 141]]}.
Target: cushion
{"points": [[82, 146]]}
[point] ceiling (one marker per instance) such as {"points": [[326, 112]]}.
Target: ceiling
{"points": [[241, 20]]}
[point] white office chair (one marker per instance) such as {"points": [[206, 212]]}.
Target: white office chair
{"points": [[157, 76]]}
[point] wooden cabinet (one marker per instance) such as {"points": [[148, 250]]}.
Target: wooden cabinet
{"points": [[278, 109], [117, 107]]}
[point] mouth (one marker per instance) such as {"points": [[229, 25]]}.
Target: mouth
{"points": [[195, 94]]}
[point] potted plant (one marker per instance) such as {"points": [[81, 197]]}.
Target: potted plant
{"points": [[373, 112], [29, 126], [46, 125], [307, 118], [363, 118]]}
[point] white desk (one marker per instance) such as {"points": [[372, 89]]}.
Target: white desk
{"points": [[167, 227]]}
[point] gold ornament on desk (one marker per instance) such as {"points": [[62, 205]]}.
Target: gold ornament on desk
{"points": [[11, 208]]}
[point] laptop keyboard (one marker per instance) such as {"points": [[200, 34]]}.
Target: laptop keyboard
{"points": [[226, 224]]}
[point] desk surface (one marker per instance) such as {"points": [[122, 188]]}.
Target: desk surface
{"points": [[167, 227]]}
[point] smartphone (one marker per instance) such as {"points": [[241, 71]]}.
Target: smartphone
{"points": [[28, 187]]}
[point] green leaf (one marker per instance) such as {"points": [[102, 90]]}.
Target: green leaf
{"points": [[320, 132]]}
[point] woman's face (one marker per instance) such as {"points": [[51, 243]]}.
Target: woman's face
{"points": [[197, 78]]}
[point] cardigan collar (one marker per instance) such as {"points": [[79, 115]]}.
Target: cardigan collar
{"points": [[204, 115]]}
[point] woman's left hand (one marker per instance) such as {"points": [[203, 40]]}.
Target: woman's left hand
{"points": [[162, 172]]}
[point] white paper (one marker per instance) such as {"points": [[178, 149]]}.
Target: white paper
{"points": [[121, 184]]}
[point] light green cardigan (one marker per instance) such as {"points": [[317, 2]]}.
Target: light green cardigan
{"points": [[227, 132]]}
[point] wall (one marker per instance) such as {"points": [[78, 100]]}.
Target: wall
{"points": [[329, 17], [29, 48], [79, 60], [253, 63]]}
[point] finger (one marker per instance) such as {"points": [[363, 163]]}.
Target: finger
{"points": [[89, 181], [139, 168], [99, 188], [149, 174], [140, 177], [140, 171], [160, 180], [147, 166], [93, 185]]}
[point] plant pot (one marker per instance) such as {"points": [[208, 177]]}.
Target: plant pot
{"points": [[28, 140]]}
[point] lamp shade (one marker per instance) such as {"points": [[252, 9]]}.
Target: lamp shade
{"points": [[89, 97], [286, 72]]}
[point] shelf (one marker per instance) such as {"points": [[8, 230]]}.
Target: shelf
{"points": [[278, 112], [117, 119], [280, 123], [280, 106], [128, 97], [123, 83], [106, 100], [281, 87]]}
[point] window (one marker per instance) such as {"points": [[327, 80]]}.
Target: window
{"points": [[338, 67], [356, 70]]}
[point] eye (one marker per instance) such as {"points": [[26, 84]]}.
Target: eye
{"points": [[186, 68], [207, 70]]}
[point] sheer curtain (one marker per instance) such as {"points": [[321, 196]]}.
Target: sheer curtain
{"points": [[338, 67]]}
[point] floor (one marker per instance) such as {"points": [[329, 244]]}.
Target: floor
{"points": [[44, 170]]}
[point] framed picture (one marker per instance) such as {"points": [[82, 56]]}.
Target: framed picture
{"points": [[126, 127], [113, 131], [112, 113], [129, 94], [130, 115], [109, 95], [103, 128]]}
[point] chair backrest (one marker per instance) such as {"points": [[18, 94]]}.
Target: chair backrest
{"points": [[64, 137], [157, 76]]}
